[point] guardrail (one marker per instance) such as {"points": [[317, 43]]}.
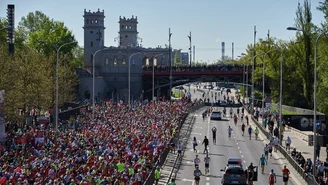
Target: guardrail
{"points": [[307, 177], [151, 177]]}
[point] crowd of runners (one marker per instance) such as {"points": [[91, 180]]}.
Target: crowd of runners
{"points": [[120, 147]]}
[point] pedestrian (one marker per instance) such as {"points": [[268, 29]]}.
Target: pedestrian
{"points": [[205, 143], [194, 144], [317, 150]]}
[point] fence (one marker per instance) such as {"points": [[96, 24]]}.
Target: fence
{"points": [[307, 177]]}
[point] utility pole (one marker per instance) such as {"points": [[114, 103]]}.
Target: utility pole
{"points": [[253, 69], [190, 49], [170, 61]]}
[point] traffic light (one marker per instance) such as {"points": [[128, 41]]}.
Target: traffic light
{"points": [[11, 25]]}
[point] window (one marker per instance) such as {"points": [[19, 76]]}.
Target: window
{"points": [[122, 27], [87, 21], [91, 44], [96, 21], [147, 62], [126, 36], [91, 21], [133, 62], [123, 61], [115, 61], [126, 27], [106, 61], [130, 27]]}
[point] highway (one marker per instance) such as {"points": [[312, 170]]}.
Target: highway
{"points": [[238, 146]]}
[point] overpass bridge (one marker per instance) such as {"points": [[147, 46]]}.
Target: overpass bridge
{"points": [[182, 75]]}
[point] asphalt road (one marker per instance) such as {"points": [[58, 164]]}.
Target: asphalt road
{"points": [[238, 146]]}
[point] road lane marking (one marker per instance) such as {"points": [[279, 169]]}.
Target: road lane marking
{"points": [[195, 133], [237, 143], [207, 178], [244, 161], [238, 147], [239, 151], [207, 183], [198, 127], [242, 156]]}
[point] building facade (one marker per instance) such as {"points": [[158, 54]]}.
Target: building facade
{"points": [[116, 67]]}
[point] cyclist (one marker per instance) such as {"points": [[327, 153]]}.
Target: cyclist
{"points": [[214, 134], [250, 130], [272, 178], [196, 161], [243, 128], [207, 160], [205, 143], [285, 175], [197, 174], [229, 132], [256, 131], [266, 151], [263, 162]]}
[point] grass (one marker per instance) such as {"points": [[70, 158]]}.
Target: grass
{"points": [[284, 112]]}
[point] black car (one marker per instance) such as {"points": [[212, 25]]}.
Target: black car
{"points": [[233, 175]]}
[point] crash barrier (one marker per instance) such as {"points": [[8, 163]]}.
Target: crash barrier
{"points": [[151, 177], [307, 177], [225, 105]]}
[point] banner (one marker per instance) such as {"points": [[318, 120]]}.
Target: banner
{"points": [[2, 115]]}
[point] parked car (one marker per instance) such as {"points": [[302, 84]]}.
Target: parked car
{"points": [[216, 115], [234, 174], [223, 103]]}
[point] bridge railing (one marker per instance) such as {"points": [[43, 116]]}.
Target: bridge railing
{"points": [[194, 68]]}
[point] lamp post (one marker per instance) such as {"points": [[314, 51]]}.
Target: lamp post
{"points": [[94, 80], [170, 61], [57, 75], [243, 54], [129, 80], [153, 89]]}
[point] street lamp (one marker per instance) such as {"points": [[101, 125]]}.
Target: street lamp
{"points": [[94, 79], [57, 76], [129, 80], [153, 90]]}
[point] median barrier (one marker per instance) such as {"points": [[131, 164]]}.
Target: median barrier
{"points": [[151, 177], [226, 105]]}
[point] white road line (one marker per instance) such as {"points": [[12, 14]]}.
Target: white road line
{"points": [[237, 143], [207, 183], [242, 156], [239, 151], [238, 147], [207, 178], [244, 161]]}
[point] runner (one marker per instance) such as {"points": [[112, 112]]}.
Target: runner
{"points": [[288, 143], [194, 144], [207, 160], [214, 134], [196, 161], [263, 162], [180, 148], [197, 174], [205, 142], [275, 143], [229, 132], [272, 178], [266, 151], [250, 130], [270, 149], [285, 175], [243, 128], [256, 131]]}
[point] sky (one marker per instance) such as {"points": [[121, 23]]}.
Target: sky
{"points": [[210, 21]]}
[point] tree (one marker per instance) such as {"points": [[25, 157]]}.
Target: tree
{"points": [[304, 22]]}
